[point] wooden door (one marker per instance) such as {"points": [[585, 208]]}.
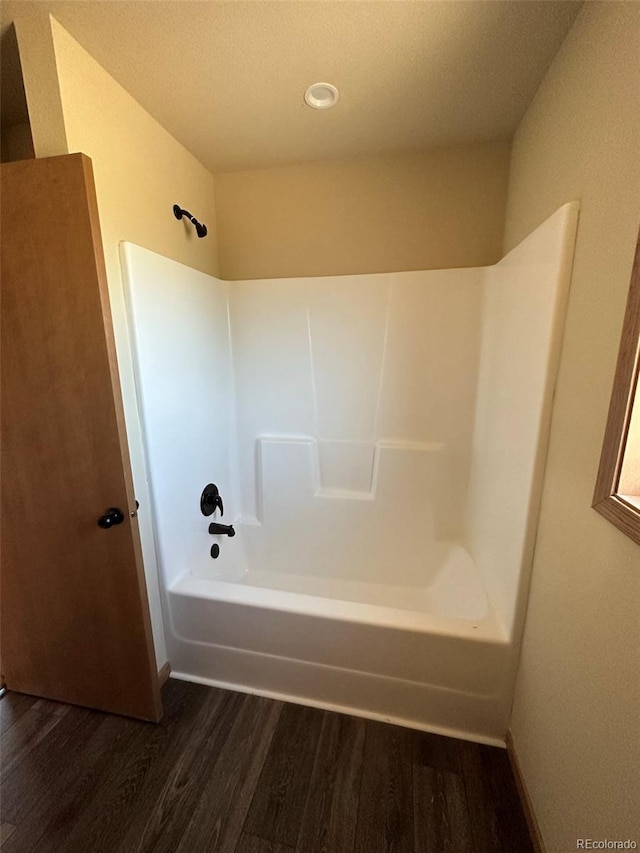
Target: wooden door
{"points": [[75, 619]]}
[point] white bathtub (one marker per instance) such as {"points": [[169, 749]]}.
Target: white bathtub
{"points": [[433, 657]]}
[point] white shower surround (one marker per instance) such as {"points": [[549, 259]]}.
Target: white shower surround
{"points": [[379, 442]]}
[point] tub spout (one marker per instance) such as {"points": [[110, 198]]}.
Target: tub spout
{"points": [[224, 529]]}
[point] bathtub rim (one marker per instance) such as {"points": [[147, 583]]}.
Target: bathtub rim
{"points": [[487, 629]]}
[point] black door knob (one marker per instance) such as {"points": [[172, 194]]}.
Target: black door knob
{"points": [[112, 516]]}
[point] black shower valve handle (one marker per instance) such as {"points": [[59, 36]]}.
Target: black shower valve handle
{"points": [[211, 500]]}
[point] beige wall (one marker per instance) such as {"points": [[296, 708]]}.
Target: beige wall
{"points": [[140, 170], [40, 77], [428, 210], [577, 702]]}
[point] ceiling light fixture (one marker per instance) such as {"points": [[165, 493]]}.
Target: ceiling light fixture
{"points": [[321, 96]]}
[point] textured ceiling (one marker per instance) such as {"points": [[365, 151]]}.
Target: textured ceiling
{"points": [[227, 78]]}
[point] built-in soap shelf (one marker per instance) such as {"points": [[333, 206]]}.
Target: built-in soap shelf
{"points": [[342, 470]]}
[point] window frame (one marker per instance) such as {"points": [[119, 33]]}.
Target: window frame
{"points": [[625, 394]]}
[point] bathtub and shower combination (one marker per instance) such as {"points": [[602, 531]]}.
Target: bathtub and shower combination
{"points": [[377, 444]]}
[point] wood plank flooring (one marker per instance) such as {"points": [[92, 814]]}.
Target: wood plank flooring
{"points": [[235, 773]]}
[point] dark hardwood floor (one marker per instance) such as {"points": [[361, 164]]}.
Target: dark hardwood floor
{"points": [[230, 772]]}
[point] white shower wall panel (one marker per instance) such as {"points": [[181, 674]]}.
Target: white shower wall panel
{"points": [[348, 317], [355, 360], [431, 355], [430, 375], [272, 369], [525, 297], [335, 415], [184, 382], [386, 536]]}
